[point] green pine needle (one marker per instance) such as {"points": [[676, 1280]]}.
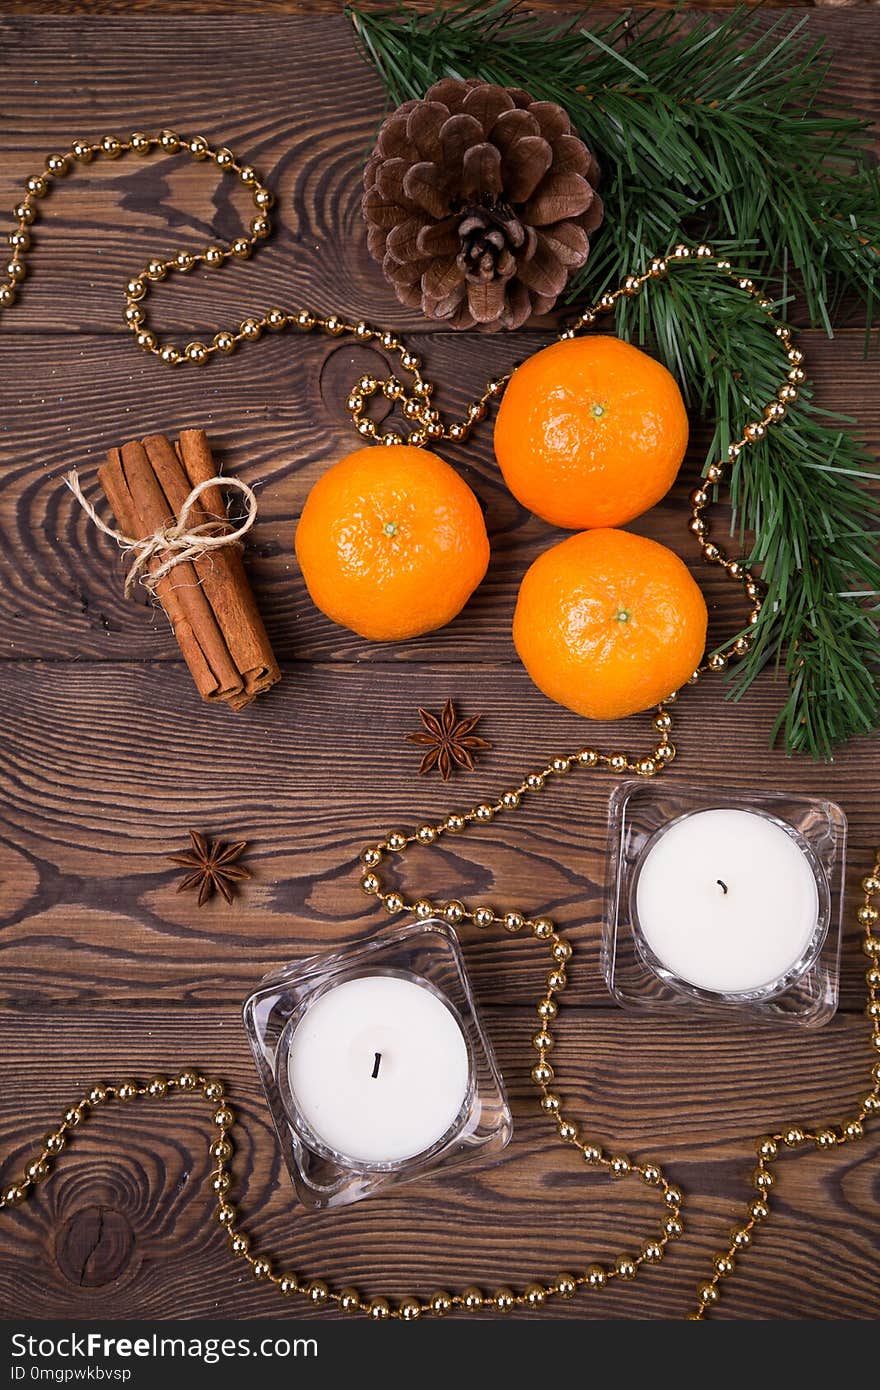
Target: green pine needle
{"points": [[721, 130]]}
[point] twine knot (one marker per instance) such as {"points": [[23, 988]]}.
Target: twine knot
{"points": [[177, 542]]}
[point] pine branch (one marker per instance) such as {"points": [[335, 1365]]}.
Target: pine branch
{"points": [[720, 129]]}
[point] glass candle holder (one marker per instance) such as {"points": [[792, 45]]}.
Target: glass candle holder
{"points": [[375, 1065], [724, 900]]}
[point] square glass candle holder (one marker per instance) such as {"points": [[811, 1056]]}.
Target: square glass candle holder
{"points": [[724, 901], [375, 1064]]}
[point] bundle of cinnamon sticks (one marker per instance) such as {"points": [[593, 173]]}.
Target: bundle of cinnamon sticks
{"points": [[208, 600]]}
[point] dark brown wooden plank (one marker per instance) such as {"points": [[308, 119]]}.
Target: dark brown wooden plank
{"points": [[276, 416], [123, 1227], [307, 133], [110, 766]]}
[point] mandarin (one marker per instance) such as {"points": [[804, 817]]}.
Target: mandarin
{"points": [[608, 623], [590, 432], [391, 542]]}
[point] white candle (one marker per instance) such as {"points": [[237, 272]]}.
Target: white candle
{"points": [[379, 1069], [727, 900]]}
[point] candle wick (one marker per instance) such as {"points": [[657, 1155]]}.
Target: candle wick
{"points": [[376, 1065], [722, 886]]}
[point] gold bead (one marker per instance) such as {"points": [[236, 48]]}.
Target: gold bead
{"points": [[370, 883], [535, 781], [674, 1227], [741, 1237], [7, 296], [717, 662], [288, 1283], [543, 928], [157, 1088], [304, 320], [213, 256], [455, 824], [483, 917], [423, 909], [409, 1309], [871, 946], [871, 883], [260, 227], [72, 1116], [334, 326], [393, 902], [13, 1195], [658, 266], [197, 353], [83, 151], [651, 1174], [561, 950], [797, 375], [588, 757], [535, 1295], [276, 319], [134, 314], [652, 1252], [37, 186], [596, 1276], [542, 1073], [224, 1118], [606, 302], [472, 1300], [567, 1132], [426, 834], [251, 330], [724, 1265], [241, 248], [504, 1300], [592, 1154], [198, 147], [248, 175], [263, 197], [556, 981], [514, 921], [617, 762], [317, 1291], [632, 285], [762, 1180], [53, 1143], [542, 1041], [188, 1079], [350, 1300], [58, 165], [625, 1267], [510, 800], [440, 1303], [867, 914], [547, 1010], [870, 1104], [169, 141], [766, 1147], [775, 411], [707, 1294], [872, 1010], [620, 1166], [698, 525], [550, 1103], [37, 1171], [20, 240], [646, 767], [239, 1243], [156, 270], [561, 766], [484, 813], [396, 841], [221, 1149], [673, 1197], [127, 1091], [225, 1214], [170, 354], [453, 912], [224, 342], [853, 1130], [16, 271], [793, 1136]]}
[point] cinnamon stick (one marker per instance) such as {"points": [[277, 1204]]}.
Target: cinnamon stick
{"points": [[208, 600]]}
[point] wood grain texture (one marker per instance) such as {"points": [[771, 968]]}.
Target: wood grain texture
{"points": [[91, 910], [108, 758]]}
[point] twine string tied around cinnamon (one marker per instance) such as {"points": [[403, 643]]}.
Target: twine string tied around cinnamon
{"points": [[178, 541]]}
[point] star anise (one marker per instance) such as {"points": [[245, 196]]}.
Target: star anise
{"points": [[450, 741], [213, 866]]}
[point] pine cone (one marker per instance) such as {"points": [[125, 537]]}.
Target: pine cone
{"points": [[479, 202]]}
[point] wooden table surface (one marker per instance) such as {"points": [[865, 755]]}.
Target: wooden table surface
{"points": [[109, 757]]}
